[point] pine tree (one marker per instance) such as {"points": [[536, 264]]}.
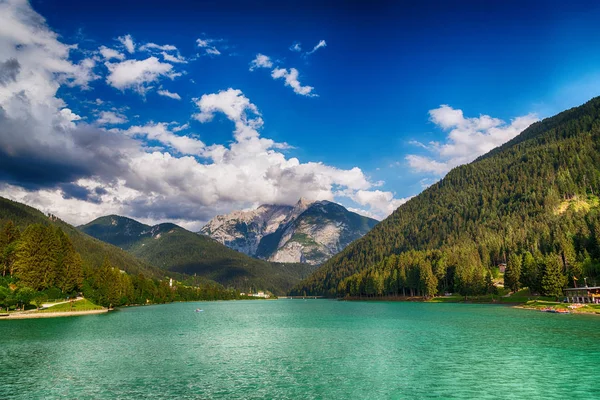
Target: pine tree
{"points": [[9, 236], [68, 264], [429, 281], [512, 274], [530, 274], [553, 280], [35, 258]]}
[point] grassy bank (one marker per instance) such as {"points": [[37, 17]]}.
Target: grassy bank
{"points": [[540, 304], [79, 305]]}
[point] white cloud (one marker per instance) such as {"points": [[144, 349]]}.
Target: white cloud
{"points": [[296, 47], [468, 138], [364, 213], [213, 51], [108, 53], [69, 115], [154, 46], [161, 132], [171, 95], [178, 128], [319, 45], [203, 42], [177, 58], [261, 61], [291, 79], [152, 171], [381, 203], [289, 76], [207, 45], [111, 118], [138, 74], [127, 42]]}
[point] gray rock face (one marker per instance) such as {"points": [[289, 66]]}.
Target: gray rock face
{"points": [[308, 232]]}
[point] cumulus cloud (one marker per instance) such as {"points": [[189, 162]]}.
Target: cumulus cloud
{"points": [[127, 42], [138, 74], [111, 118], [291, 79], [261, 61], [318, 46], [468, 138], [154, 171], [108, 53], [38, 131], [171, 95], [296, 47], [161, 133], [381, 203]]}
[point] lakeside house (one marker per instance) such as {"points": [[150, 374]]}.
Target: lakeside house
{"points": [[260, 294], [583, 295]]}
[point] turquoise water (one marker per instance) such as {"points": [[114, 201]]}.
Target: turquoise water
{"points": [[295, 349]]}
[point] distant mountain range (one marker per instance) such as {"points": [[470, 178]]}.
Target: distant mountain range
{"points": [[173, 248], [308, 232]]}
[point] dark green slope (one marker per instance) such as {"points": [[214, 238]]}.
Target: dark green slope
{"points": [[120, 231], [173, 248], [536, 193], [92, 251]]}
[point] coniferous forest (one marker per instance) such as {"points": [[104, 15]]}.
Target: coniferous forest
{"points": [[531, 204], [42, 258]]}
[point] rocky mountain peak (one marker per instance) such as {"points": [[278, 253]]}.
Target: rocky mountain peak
{"points": [[306, 232]]}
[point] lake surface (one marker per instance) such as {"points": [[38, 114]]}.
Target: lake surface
{"points": [[303, 349]]}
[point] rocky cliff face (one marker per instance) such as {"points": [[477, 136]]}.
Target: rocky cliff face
{"points": [[309, 232]]}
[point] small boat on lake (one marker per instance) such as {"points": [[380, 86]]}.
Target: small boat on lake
{"points": [[199, 310]]}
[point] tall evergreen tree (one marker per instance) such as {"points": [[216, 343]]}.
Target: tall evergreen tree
{"points": [[8, 244], [530, 273], [36, 256], [429, 281], [553, 280], [512, 274], [68, 264]]}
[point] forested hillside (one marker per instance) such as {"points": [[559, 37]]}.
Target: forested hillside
{"points": [[531, 203], [175, 249], [93, 252], [44, 258]]}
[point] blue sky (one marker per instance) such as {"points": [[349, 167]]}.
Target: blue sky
{"points": [[400, 91]]}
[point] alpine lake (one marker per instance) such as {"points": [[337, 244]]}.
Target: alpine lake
{"points": [[303, 349]]}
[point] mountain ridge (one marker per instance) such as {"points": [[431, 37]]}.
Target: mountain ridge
{"points": [[174, 248], [309, 231]]}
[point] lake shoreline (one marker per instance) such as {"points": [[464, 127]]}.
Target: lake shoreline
{"points": [[34, 315]]}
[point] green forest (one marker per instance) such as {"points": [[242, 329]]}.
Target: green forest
{"points": [[532, 204], [41, 264]]}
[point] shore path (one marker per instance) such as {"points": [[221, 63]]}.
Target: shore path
{"points": [[26, 315], [46, 305]]}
